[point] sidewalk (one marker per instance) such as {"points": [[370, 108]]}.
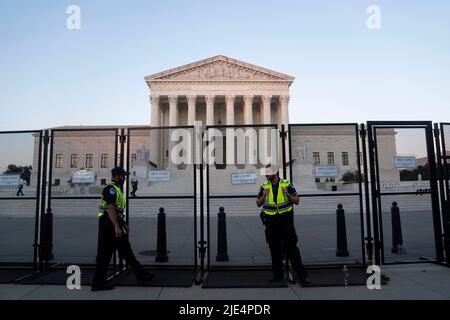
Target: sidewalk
{"points": [[407, 282]]}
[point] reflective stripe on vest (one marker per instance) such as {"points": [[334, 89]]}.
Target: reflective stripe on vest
{"points": [[119, 205], [283, 204]]}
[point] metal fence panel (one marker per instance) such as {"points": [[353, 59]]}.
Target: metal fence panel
{"points": [[234, 176], [19, 195], [79, 168], [405, 193], [325, 166], [161, 162]]}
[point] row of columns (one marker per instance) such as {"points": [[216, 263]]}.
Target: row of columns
{"points": [[229, 102]]}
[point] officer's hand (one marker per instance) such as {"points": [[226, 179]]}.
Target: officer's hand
{"points": [[285, 190], [265, 193], [119, 232]]}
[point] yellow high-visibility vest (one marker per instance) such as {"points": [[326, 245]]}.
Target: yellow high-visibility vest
{"points": [[119, 204], [282, 205]]}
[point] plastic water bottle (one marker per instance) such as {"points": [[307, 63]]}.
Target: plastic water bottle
{"points": [[346, 275]]}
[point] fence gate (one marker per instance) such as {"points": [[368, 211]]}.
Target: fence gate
{"points": [[20, 199], [162, 201], [404, 190], [443, 152], [234, 163], [325, 165]]}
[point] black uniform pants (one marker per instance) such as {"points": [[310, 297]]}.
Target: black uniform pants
{"points": [[280, 231], [19, 191], [107, 243]]}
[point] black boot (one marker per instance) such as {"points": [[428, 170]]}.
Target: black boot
{"points": [[302, 277]]}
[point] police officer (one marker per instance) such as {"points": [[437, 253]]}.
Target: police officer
{"points": [[277, 197], [134, 184], [113, 233]]}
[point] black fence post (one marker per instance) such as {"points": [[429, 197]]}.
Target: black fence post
{"points": [[397, 238], [342, 250], [222, 247], [161, 245], [49, 234], [446, 218]]}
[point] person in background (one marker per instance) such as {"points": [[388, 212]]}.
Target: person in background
{"points": [[20, 187], [134, 184]]}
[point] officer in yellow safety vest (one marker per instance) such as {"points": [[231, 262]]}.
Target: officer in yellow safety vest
{"points": [[277, 198], [113, 233]]}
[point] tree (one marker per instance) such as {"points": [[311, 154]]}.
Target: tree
{"points": [[352, 177], [24, 171], [12, 168], [413, 175]]}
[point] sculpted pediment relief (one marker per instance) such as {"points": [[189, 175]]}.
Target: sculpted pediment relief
{"points": [[219, 68]]}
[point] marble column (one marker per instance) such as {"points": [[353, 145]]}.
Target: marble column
{"points": [[266, 113], [284, 105], [210, 110], [191, 109], [154, 102], [230, 110], [173, 111], [155, 134], [265, 144], [229, 132], [248, 109], [173, 121], [250, 132]]}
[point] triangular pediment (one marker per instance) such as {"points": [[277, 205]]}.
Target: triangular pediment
{"points": [[219, 68]]}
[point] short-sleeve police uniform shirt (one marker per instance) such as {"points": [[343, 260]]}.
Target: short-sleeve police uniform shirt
{"points": [[109, 194], [290, 189]]}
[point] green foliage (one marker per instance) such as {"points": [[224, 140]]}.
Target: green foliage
{"points": [[413, 175], [352, 177], [24, 171]]}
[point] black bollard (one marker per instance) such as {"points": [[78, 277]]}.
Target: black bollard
{"points": [[222, 247], [397, 238], [342, 250], [161, 244]]}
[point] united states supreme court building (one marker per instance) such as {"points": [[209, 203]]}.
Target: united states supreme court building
{"points": [[218, 91]]}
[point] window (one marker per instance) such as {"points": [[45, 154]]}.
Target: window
{"points": [[103, 182], [104, 160], [58, 162], [133, 157], [316, 158], [57, 182], [89, 158], [74, 161], [345, 158], [330, 158]]}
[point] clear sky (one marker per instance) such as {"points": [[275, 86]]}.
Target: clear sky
{"points": [[52, 76]]}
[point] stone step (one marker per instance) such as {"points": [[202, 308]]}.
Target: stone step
{"points": [[234, 206]]}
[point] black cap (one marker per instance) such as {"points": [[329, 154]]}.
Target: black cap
{"points": [[119, 171]]}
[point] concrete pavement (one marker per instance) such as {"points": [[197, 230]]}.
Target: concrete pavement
{"points": [[407, 282]]}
